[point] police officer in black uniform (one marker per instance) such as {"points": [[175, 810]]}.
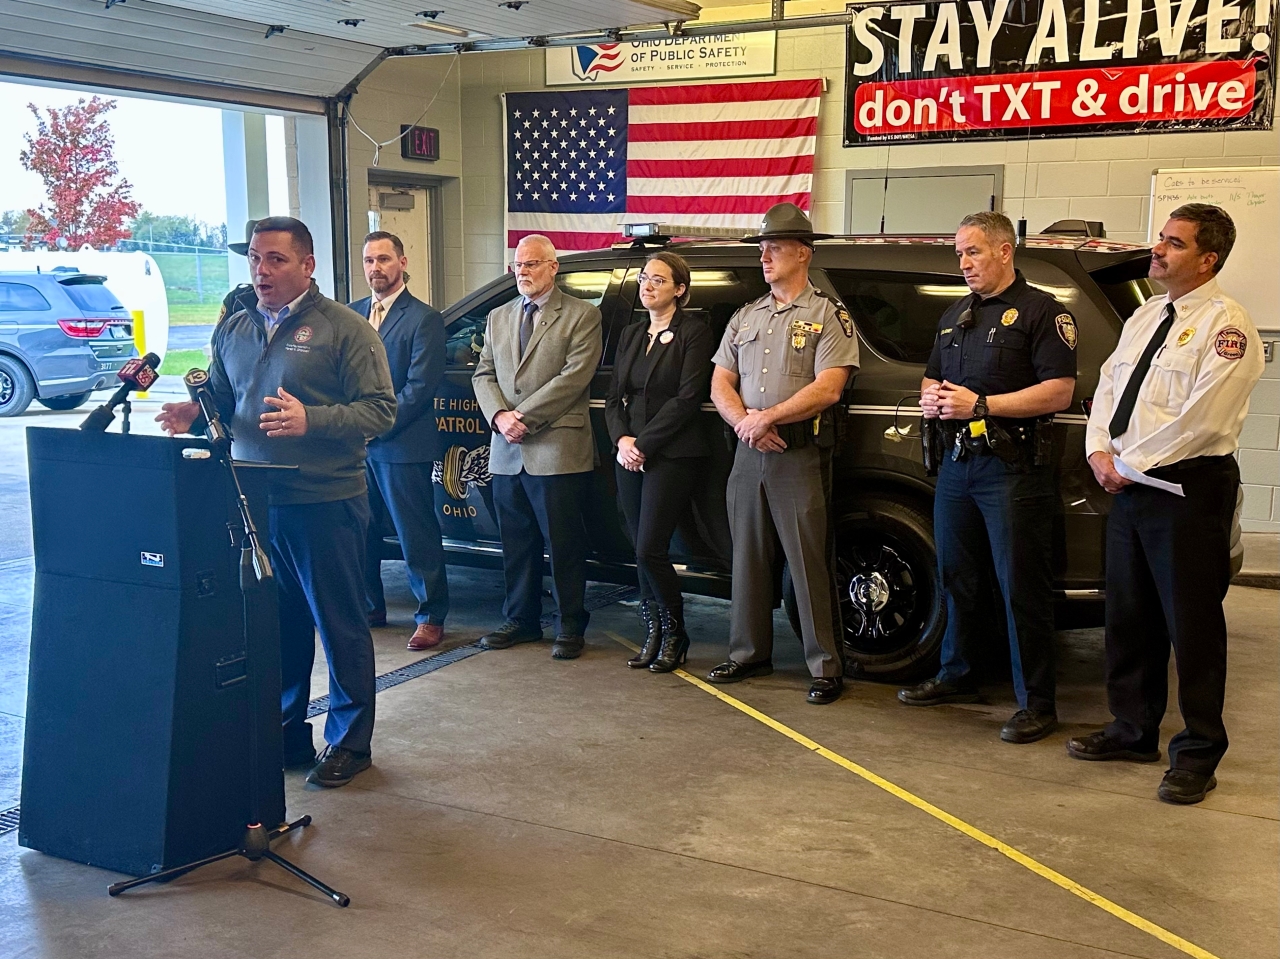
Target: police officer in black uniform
{"points": [[1003, 363]]}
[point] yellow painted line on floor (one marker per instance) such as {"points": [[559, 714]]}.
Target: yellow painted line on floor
{"points": [[973, 832]]}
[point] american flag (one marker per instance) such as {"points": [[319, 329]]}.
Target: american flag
{"points": [[582, 162]]}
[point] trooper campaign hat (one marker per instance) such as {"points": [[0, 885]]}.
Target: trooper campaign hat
{"points": [[786, 221], [243, 248]]}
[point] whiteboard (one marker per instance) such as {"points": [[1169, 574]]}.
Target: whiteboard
{"points": [[1251, 195]]}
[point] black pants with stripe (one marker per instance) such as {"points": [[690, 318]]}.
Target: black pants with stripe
{"points": [[1168, 569]]}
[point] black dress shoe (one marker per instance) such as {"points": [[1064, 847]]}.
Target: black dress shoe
{"points": [[732, 672], [1183, 787], [935, 692], [509, 634], [567, 647], [1028, 726], [1099, 747], [826, 689], [338, 766]]}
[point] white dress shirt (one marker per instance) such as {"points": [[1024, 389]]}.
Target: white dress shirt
{"points": [[1195, 396]]}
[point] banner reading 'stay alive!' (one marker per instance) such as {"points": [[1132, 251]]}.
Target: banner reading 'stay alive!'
{"points": [[991, 68]]}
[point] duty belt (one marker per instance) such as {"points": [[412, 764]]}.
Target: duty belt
{"points": [[819, 431]]}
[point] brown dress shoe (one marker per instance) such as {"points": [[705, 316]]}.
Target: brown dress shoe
{"points": [[426, 636]]}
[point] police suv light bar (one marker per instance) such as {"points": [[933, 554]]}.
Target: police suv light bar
{"points": [[635, 231]]}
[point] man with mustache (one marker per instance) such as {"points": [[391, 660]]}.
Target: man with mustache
{"points": [[1169, 407], [1003, 363], [399, 463]]}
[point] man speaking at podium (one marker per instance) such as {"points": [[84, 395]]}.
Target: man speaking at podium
{"points": [[303, 381]]}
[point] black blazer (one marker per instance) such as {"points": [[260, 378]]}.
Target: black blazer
{"points": [[413, 334], [679, 382]]}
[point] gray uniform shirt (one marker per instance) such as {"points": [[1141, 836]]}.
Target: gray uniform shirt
{"points": [[778, 351]]}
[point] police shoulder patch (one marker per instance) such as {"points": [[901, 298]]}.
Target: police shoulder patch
{"points": [[846, 321], [1066, 325]]}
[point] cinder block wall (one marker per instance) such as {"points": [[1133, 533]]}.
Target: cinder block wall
{"points": [[1094, 178]]}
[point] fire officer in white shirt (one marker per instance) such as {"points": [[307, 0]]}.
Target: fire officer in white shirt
{"points": [[1169, 407]]}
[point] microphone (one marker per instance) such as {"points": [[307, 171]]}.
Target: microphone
{"points": [[138, 373], [197, 381]]}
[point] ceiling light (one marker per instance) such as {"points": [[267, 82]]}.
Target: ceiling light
{"points": [[440, 28], [513, 4], [351, 22], [429, 14], [683, 8]]}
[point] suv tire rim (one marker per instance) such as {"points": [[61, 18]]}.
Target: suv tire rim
{"points": [[7, 388], [879, 600]]}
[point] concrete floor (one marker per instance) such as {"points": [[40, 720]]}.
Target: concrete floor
{"points": [[521, 807]]}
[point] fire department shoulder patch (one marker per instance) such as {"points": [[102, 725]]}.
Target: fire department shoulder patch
{"points": [[1230, 343]]}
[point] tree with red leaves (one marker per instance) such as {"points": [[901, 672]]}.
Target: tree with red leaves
{"points": [[72, 153]]}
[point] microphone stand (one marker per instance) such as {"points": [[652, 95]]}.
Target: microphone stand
{"points": [[255, 574]]}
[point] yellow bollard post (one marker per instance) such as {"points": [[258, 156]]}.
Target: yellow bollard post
{"points": [[140, 341]]}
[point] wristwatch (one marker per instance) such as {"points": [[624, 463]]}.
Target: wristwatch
{"points": [[980, 408]]}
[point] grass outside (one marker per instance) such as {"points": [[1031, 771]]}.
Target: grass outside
{"points": [[178, 362], [185, 285], [194, 314]]}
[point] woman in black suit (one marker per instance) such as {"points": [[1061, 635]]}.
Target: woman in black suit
{"points": [[661, 377]]}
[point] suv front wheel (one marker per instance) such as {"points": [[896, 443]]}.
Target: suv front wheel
{"points": [[887, 582], [17, 389]]}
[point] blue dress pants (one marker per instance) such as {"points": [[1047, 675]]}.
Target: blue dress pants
{"points": [[403, 492], [318, 552], [984, 512]]}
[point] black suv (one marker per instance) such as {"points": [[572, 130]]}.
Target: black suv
{"points": [[896, 288]]}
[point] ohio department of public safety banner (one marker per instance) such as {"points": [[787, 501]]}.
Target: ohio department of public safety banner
{"points": [[1018, 68]]}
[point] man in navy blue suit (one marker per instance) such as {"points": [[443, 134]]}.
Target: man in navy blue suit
{"points": [[400, 461]]}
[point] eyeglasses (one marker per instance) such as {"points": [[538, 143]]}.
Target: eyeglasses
{"points": [[655, 281], [518, 265]]}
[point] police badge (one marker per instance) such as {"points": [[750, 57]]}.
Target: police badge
{"points": [[1010, 317]]}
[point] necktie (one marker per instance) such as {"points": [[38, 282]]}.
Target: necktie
{"points": [[375, 315], [526, 324], [1129, 399]]}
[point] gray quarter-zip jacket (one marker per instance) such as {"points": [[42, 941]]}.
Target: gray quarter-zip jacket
{"points": [[333, 361]]}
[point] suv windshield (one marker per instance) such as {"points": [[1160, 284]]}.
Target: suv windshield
{"points": [[93, 297], [898, 313]]}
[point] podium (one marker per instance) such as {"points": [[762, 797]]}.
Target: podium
{"points": [[138, 735]]}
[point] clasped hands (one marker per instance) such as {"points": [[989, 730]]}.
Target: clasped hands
{"points": [[630, 458], [287, 418], [1104, 471], [758, 430], [946, 401], [510, 423]]}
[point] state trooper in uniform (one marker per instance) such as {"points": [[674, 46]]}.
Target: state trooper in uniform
{"points": [[1169, 407], [242, 296], [782, 364], [1004, 361]]}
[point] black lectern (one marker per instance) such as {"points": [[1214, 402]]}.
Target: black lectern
{"points": [[136, 756]]}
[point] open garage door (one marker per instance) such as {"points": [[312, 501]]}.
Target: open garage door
{"points": [[169, 50]]}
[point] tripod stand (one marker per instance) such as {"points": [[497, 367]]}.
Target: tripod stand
{"points": [[255, 573]]}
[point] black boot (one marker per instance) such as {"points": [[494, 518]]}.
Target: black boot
{"points": [[652, 637], [675, 641]]}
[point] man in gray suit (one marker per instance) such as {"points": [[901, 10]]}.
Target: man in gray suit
{"points": [[533, 383]]}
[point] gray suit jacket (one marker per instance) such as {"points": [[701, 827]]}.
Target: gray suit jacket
{"points": [[550, 386]]}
